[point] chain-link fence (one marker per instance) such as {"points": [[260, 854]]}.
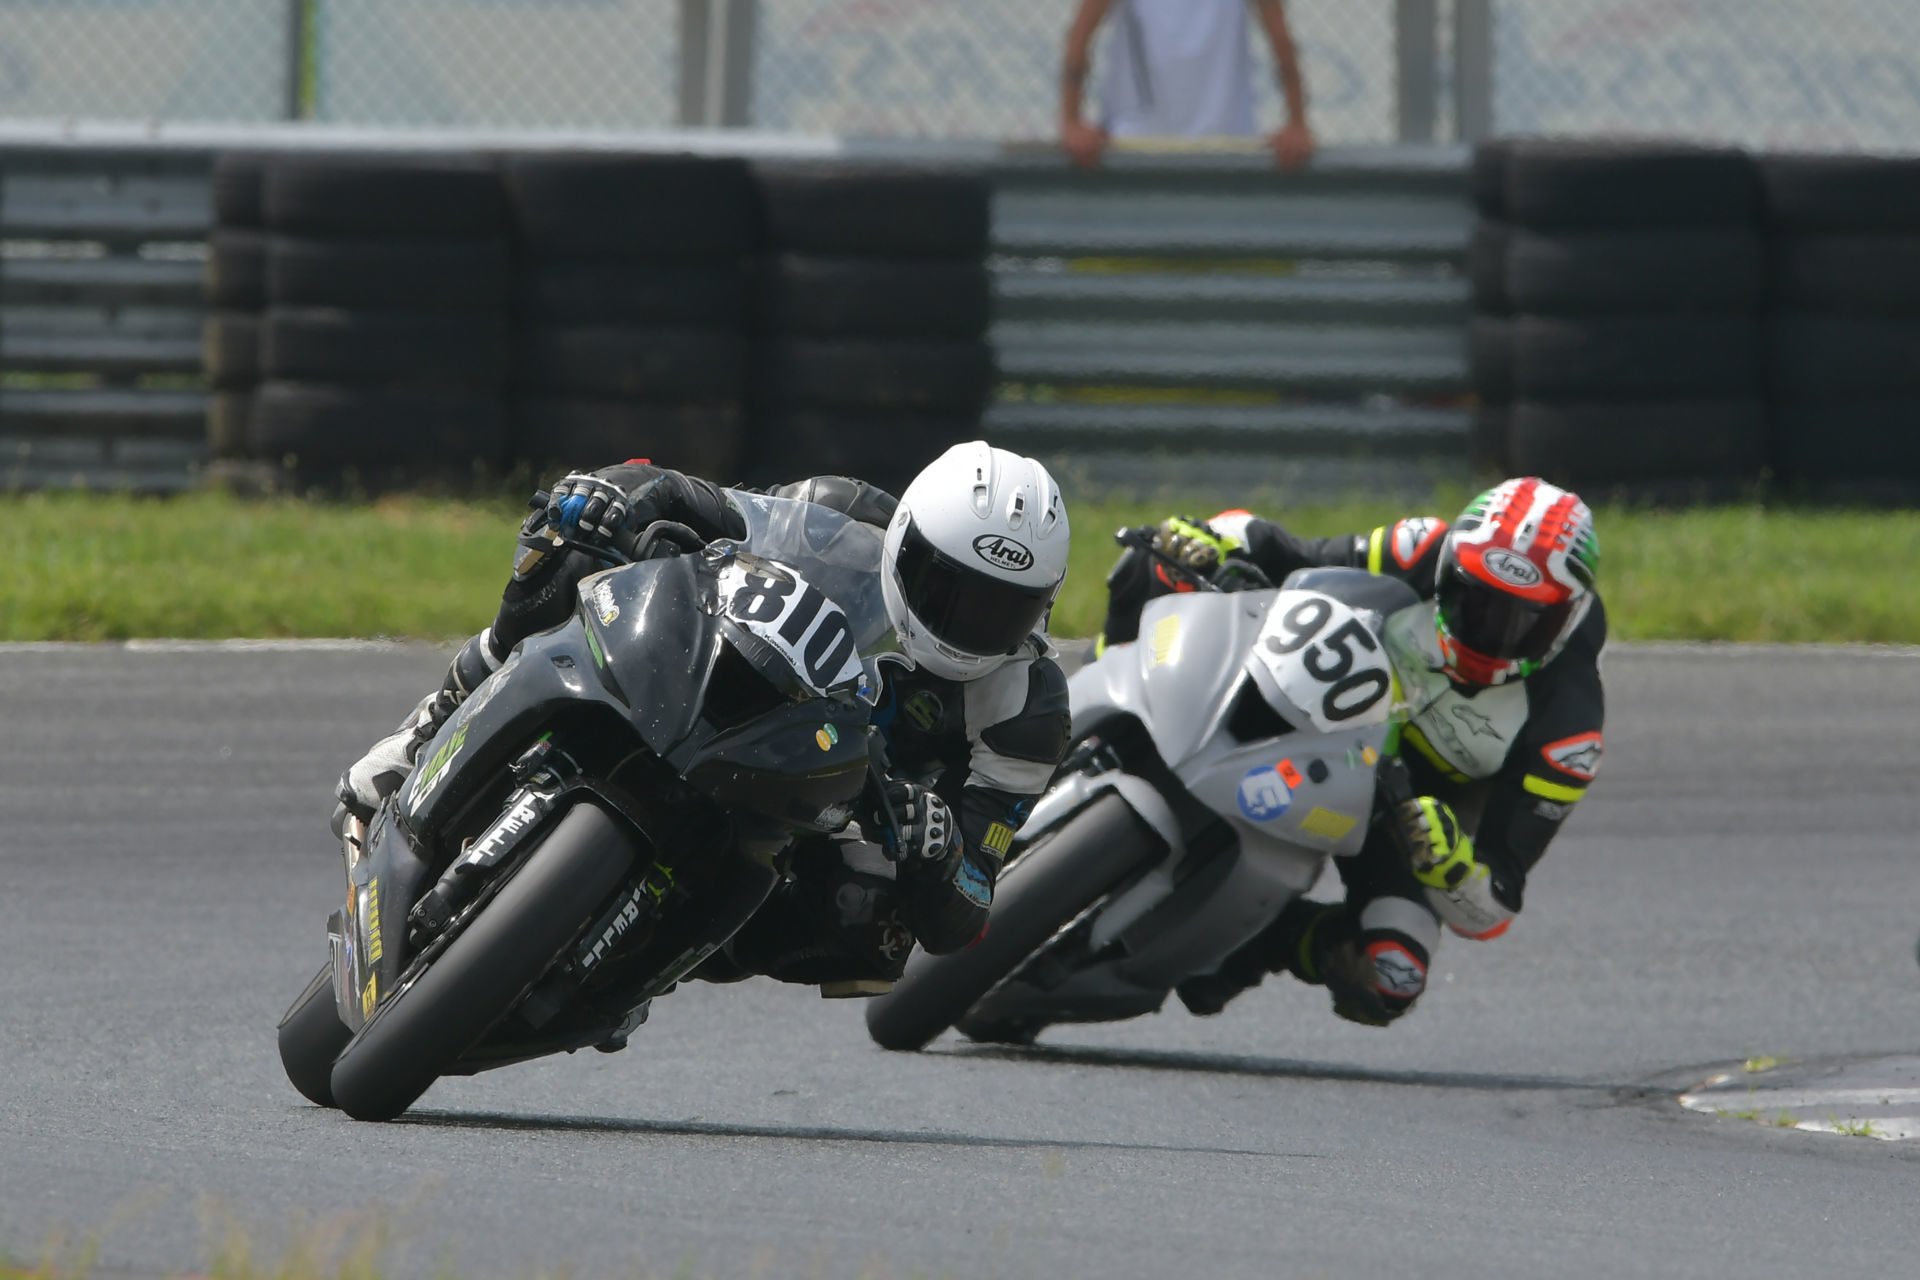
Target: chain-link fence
{"points": [[1841, 74], [991, 68], [1818, 74]]}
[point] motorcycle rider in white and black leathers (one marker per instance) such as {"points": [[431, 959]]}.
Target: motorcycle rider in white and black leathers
{"points": [[972, 710]]}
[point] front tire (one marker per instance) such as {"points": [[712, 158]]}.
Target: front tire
{"points": [[311, 1037], [421, 1031], [1044, 890]]}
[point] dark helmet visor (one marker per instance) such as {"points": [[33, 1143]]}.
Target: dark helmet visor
{"points": [[1496, 623], [961, 607]]}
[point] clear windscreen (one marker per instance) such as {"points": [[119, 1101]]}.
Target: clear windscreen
{"points": [[836, 553]]}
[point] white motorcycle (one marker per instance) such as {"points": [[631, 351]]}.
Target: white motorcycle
{"points": [[1219, 761]]}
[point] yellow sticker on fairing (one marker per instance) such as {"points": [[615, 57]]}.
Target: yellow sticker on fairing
{"points": [[369, 995], [1166, 641], [1327, 823]]}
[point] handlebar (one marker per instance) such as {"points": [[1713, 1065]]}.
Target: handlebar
{"points": [[1250, 576], [668, 531]]}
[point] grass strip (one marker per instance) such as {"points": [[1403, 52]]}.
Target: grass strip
{"points": [[205, 566]]}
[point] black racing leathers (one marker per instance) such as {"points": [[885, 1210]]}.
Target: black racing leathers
{"points": [[988, 747]]}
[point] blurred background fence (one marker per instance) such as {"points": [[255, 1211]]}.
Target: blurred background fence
{"points": [[1838, 74]]}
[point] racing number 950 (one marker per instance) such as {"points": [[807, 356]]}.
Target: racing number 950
{"points": [[1349, 693]]}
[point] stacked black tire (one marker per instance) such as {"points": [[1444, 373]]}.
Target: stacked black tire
{"points": [[384, 345], [631, 309], [873, 301], [1617, 294], [1843, 332], [236, 292]]}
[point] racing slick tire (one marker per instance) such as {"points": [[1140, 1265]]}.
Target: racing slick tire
{"points": [[311, 1037], [857, 211], [576, 206], [384, 197], [1041, 892], [1580, 185], [423, 1028], [1824, 193], [810, 297], [235, 275]]}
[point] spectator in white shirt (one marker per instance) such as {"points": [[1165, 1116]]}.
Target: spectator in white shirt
{"points": [[1179, 68]]}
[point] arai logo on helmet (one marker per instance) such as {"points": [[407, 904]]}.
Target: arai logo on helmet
{"points": [[1511, 567], [1002, 552]]}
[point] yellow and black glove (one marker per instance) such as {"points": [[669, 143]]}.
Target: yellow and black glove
{"points": [[1460, 888]]}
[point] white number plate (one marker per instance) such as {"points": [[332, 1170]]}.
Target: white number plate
{"points": [[1326, 660], [795, 617]]}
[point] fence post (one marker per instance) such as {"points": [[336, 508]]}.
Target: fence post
{"points": [[296, 54], [716, 61], [1416, 51], [1473, 69]]}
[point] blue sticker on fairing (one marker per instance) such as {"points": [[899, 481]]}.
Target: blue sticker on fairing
{"points": [[1264, 795]]}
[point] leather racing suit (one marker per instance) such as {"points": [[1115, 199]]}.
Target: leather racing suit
{"points": [[1511, 761]]}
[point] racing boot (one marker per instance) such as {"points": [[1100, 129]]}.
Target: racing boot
{"points": [[376, 775], [1373, 963], [835, 924]]}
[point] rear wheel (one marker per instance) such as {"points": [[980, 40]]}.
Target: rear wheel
{"points": [[311, 1037], [422, 1030], [1043, 891]]}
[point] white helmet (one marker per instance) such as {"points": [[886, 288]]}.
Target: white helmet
{"points": [[974, 557]]}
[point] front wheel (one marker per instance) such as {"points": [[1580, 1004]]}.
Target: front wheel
{"points": [[1045, 890], [311, 1037], [424, 1028]]}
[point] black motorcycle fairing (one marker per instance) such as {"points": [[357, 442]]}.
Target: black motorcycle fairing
{"points": [[803, 764], [381, 884], [653, 638], [548, 674]]}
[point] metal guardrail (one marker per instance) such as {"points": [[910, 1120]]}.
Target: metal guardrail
{"points": [[1334, 299], [100, 316], [1167, 302]]}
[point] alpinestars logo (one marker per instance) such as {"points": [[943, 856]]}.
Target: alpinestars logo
{"points": [[1395, 971], [1577, 757], [1475, 722]]}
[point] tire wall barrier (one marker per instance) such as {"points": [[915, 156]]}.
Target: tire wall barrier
{"points": [[406, 318], [1668, 322]]}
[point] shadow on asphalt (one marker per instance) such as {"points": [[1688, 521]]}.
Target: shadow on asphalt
{"points": [[1292, 1069], [509, 1122]]}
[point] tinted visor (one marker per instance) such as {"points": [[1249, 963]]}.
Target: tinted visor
{"points": [[963, 608], [1496, 624]]}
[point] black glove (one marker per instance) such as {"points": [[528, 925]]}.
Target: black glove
{"points": [[928, 835], [587, 509]]}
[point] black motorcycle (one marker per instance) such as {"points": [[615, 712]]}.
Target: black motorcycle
{"points": [[602, 813]]}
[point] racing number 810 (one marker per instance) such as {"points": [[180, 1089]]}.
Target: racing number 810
{"points": [[763, 599], [1331, 661]]}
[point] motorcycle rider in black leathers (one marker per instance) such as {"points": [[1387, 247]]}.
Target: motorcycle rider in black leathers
{"points": [[1504, 740], [972, 710]]}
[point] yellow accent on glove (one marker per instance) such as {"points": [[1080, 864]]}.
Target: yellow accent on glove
{"points": [[1192, 543], [1442, 853]]}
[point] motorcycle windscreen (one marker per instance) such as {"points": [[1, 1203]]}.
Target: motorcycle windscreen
{"points": [[653, 637]]}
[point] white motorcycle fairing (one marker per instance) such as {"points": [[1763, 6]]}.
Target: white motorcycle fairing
{"points": [[1268, 711]]}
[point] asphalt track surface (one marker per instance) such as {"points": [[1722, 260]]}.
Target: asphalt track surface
{"points": [[1742, 881]]}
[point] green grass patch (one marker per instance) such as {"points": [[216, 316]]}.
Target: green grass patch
{"points": [[93, 567]]}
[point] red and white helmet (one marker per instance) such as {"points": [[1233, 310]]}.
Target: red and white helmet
{"points": [[1515, 579]]}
